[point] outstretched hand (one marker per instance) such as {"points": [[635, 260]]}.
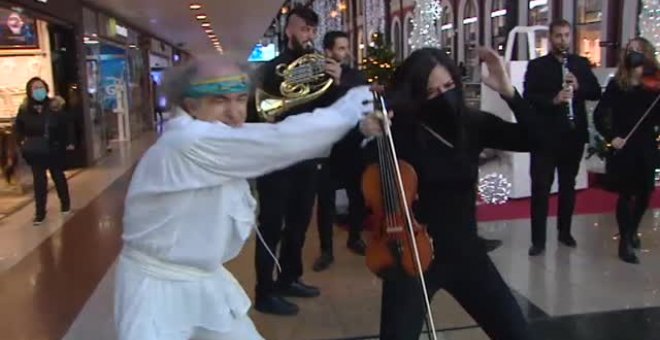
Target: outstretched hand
{"points": [[497, 78]]}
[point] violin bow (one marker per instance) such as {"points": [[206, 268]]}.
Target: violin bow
{"points": [[380, 101], [639, 122]]}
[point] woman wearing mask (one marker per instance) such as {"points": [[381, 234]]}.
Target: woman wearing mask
{"points": [[43, 134], [633, 162], [441, 138]]}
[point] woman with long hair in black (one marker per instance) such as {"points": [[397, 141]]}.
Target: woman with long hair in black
{"points": [[44, 134], [632, 165], [441, 138]]}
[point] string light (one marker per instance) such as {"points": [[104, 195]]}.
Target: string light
{"points": [[375, 16], [427, 12], [329, 18], [649, 22]]}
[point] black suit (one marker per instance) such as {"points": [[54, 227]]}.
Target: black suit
{"points": [[286, 195], [565, 139], [342, 169]]}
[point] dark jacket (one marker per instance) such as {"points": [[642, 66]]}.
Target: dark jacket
{"points": [[631, 169], [544, 79], [31, 124], [447, 177], [346, 158]]}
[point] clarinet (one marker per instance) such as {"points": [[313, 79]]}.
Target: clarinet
{"points": [[571, 115]]}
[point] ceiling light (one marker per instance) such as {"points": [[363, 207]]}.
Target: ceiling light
{"points": [[195, 7], [206, 24], [208, 30], [201, 17]]}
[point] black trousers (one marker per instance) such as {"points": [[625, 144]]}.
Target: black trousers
{"points": [[286, 200], [566, 160], [56, 169], [464, 270], [325, 217]]}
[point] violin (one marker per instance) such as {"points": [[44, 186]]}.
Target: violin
{"points": [[652, 82], [399, 244]]}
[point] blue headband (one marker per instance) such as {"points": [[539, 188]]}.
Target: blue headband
{"points": [[218, 86]]}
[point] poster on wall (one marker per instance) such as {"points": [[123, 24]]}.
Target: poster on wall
{"points": [[18, 29]]}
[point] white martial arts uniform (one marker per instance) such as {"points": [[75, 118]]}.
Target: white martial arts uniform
{"points": [[189, 210]]}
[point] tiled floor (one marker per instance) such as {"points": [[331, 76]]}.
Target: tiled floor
{"points": [[57, 281]]}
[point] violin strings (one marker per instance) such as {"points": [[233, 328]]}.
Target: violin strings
{"points": [[383, 182]]}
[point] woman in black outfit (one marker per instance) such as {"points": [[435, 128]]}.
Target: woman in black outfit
{"points": [[426, 93], [43, 133], [632, 165]]}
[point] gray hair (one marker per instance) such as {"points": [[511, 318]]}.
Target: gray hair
{"points": [[180, 78], [177, 81]]}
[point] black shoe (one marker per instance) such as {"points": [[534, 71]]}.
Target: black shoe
{"points": [[323, 262], [567, 240], [636, 241], [490, 245], [357, 246], [277, 305], [626, 252], [38, 220], [536, 250], [297, 289]]}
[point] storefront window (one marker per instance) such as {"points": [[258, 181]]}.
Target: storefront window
{"points": [[498, 25], [141, 116], [588, 29], [100, 134], [539, 15], [445, 29], [471, 38]]}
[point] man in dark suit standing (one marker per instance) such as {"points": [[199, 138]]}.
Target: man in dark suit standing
{"points": [[343, 167], [557, 85], [286, 197]]}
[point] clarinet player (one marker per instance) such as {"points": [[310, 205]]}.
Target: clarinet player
{"points": [[557, 86]]}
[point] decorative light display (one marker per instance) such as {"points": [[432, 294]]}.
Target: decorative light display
{"points": [[329, 12], [427, 12], [494, 189], [649, 22], [374, 17]]}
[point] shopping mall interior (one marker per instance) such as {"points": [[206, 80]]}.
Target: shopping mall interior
{"points": [[109, 61]]}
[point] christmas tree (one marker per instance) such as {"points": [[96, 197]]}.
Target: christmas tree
{"points": [[379, 64]]}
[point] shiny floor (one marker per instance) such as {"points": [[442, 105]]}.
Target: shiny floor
{"points": [[56, 280]]}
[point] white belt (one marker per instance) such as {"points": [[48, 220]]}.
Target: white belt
{"points": [[165, 270]]}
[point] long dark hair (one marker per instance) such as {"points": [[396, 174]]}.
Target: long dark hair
{"points": [[407, 91]]}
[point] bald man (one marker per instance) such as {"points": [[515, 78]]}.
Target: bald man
{"points": [[189, 207]]}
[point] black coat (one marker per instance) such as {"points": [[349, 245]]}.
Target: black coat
{"points": [[30, 124], [631, 169], [543, 80]]}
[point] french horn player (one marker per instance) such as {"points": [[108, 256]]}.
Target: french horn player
{"points": [[296, 81]]}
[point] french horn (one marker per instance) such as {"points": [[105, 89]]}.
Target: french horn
{"points": [[304, 81]]}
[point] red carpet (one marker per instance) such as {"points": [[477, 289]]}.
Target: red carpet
{"points": [[588, 201]]}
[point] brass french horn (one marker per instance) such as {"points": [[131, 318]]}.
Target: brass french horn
{"points": [[304, 81]]}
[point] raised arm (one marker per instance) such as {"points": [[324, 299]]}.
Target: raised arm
{"points": [[259, 148]]}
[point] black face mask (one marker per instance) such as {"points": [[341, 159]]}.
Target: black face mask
{"points": [[635, 59], [441, 112]]}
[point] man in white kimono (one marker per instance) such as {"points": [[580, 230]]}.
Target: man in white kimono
{"points": [[189, 207]]}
